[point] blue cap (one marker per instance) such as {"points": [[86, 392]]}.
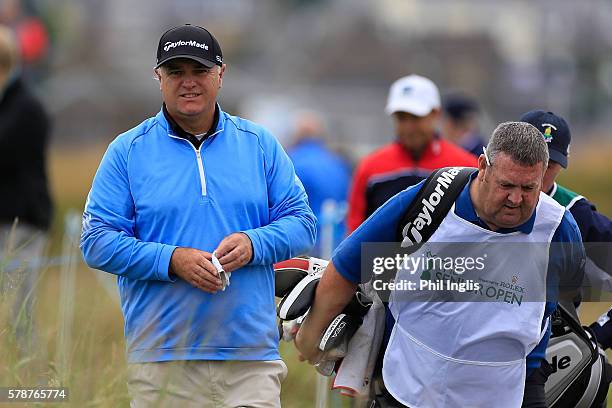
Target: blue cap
{"points": [[556, 133]]}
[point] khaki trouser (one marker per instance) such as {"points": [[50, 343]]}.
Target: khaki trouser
{"points": [[214, 384]]}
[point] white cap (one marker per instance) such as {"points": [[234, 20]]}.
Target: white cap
{"points": [[413, 94]]}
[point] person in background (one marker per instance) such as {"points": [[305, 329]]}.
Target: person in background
{"points": [[414, 106], [26, 206], [325, 174], [595, 227], [179, 203], [460, 122]]}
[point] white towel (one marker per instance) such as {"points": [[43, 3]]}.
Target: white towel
{"points": [[355, 372], [224, 276]]}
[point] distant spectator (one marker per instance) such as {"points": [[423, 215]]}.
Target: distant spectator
{"points": [[31, 34], [460, 122], [25, 208], [414, 106], [595, 227], [325, 174]]}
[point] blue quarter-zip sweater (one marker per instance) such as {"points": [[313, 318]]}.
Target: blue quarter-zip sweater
{"points": [[153, 192]]}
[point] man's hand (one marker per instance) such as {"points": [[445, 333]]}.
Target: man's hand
{"points": [[234, 251], [307, 343], [194, 267], [333, 293]]}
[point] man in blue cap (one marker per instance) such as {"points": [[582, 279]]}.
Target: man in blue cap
{"points": [[460, 122], [594, 226]]}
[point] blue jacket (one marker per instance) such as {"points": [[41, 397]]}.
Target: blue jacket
{"points": [[153, 192], [325, 175]]}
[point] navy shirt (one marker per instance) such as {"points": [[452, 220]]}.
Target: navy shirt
{"points": [[594, 227]]}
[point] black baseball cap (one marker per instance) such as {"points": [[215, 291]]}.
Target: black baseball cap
{"points": [[189, 41], [556, 133]]}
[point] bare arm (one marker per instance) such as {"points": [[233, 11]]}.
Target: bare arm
{"points": [[333, 293]]}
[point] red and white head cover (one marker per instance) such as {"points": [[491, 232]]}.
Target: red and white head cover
{"points": [[290, 272]]}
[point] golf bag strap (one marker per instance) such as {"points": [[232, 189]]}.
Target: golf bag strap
{"points": [[436, 197], [446, 184]]}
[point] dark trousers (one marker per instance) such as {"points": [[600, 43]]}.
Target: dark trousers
{"points": [[534, 396]]}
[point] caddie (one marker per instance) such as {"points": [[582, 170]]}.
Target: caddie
{"points": [[467, 354]]}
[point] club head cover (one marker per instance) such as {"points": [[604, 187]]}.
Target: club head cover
{"points": [[335, 339], [297, 302], [281, 330], [299, 299], [359, 305], [316, 266], [287, 274], [288, 328]]}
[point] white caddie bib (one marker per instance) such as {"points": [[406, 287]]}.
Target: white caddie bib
{"points": [[446, 354]]}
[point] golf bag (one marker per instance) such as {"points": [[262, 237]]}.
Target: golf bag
{"points": [[581, 373]]}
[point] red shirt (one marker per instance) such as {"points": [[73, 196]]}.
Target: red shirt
{"points": [[391, 169]]}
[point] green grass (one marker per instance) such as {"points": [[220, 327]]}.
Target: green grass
{"points": [[96, 370]]}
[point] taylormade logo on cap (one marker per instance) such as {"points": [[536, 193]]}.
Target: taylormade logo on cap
{"points": [[189, 41], [412, 231], [180, 43]]}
